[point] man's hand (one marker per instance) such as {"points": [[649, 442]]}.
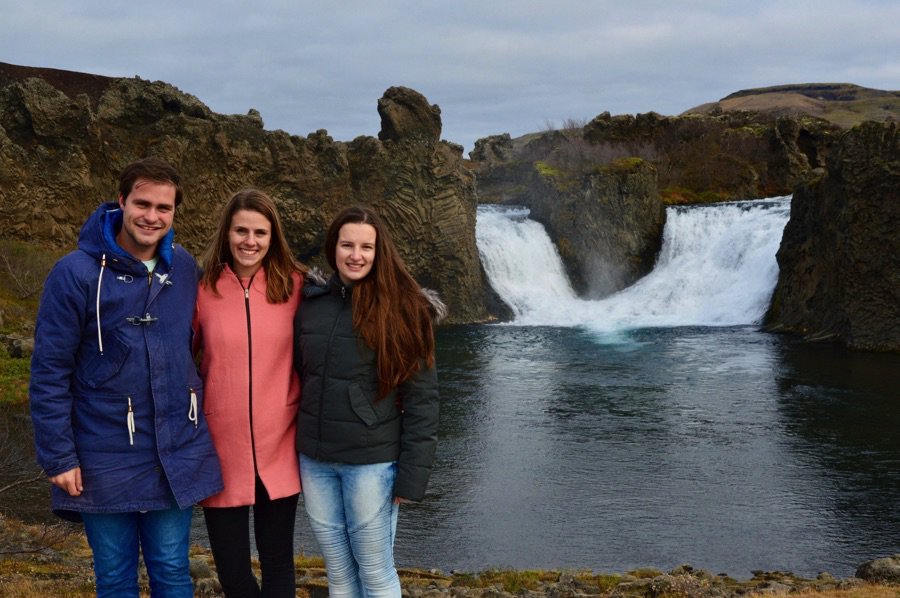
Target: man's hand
{"points": [[70, 481]]}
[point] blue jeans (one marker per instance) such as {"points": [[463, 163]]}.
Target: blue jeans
{"points": [[353, 516], [162, 536]]}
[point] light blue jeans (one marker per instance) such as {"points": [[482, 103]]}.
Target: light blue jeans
{"points": [[162, 536], [353, 516]]}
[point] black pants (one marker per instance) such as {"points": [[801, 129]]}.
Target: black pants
{"points": [[273, 527]]}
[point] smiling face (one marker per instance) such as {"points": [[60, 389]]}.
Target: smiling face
{"points": [[147, 216], [355, 251], [248, 238]]}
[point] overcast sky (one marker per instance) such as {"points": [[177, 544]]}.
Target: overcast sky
{"points": [[492, 66]]}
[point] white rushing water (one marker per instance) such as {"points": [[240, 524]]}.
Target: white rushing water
{"points": [[716, 268]]}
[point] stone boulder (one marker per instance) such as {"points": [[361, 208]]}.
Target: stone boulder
{"points": [[495, 149], [883, 570], [839, 258], [406, 114], [65, 136]]}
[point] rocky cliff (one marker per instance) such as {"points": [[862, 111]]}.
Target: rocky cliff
{"points": [[65, 136], [840, 255], [698, 158], [607, 225], [606, 219]]}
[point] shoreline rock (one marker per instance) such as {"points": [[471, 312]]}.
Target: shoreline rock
{"points": [[63, 565]]}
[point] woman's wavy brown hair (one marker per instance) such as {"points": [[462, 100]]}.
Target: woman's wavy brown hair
{"points": [[279, 262], [390, 311]]}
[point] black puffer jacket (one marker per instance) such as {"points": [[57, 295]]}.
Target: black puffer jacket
{"points": [[340, 421]]}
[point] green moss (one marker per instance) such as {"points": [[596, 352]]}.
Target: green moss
{"points": [[620, 166], [603, 582], [546, 170], [645, 573], [712, 196], [677, 196], [14, 376], [509, 580], [309, 562]]}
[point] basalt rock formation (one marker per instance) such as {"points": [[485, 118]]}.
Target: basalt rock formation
{"points": [[606, 219], [65, 136], [607, 225], [840, 255], [740, 155], [698, 158]]}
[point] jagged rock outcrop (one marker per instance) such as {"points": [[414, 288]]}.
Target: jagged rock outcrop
{"points": [[699, 158], [839, 258], [607, 226], [713, 158], [65, 136], [405, 114], [605, 218]]}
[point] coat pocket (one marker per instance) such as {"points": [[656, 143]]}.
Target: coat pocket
{"points": [[103, 366], [361, 405], [370, 411], [108, 423]]}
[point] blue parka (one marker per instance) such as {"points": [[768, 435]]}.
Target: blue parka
{"points": [[114, 388]]}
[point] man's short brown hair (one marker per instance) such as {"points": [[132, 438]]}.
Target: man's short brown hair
{"points": [[152, 169]]}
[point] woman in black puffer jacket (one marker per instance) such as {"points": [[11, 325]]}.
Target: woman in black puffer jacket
{"points": [[367, 427]]}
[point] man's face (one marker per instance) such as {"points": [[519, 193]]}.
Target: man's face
{"points": [[147, 216]]}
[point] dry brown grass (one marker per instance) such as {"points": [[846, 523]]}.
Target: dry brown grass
{"points": [[866, 591]]}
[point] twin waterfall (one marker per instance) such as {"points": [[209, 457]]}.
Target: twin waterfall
{"points": [[716, 268]]}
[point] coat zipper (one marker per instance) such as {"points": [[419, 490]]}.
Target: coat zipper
{"points": [[325, 367], [250, 371]]}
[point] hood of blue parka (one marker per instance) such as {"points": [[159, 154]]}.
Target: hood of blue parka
{"points": [[98, 236]]}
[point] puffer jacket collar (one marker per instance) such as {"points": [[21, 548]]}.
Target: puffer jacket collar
{"points": [[317, 285]]}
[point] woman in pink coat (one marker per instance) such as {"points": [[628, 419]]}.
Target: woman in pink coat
{"points": [[244, 333]]}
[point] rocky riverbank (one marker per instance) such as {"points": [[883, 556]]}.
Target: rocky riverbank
{"points": [[41, 560]]}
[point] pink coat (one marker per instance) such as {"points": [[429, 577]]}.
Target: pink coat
{"points": [[223, 333]]}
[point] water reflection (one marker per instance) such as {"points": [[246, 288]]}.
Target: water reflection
{"points": [[656, 446], [842, 415]]}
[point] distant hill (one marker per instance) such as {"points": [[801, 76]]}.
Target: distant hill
{"points": [[843, 104], [70, 83]]}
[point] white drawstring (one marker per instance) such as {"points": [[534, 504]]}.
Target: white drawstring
{"points": [[192, 410], [130, 423], [99, 284]]}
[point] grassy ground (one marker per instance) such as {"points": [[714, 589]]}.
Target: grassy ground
{"points": [[40, 561]]}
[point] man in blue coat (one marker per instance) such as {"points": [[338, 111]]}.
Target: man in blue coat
{"points": [[116, 401]]}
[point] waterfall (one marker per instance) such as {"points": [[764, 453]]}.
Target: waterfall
{"points": [[716, 268]]}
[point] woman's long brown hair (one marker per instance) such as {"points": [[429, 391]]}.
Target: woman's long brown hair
{"points": [[279, 262], [390, 311]]}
